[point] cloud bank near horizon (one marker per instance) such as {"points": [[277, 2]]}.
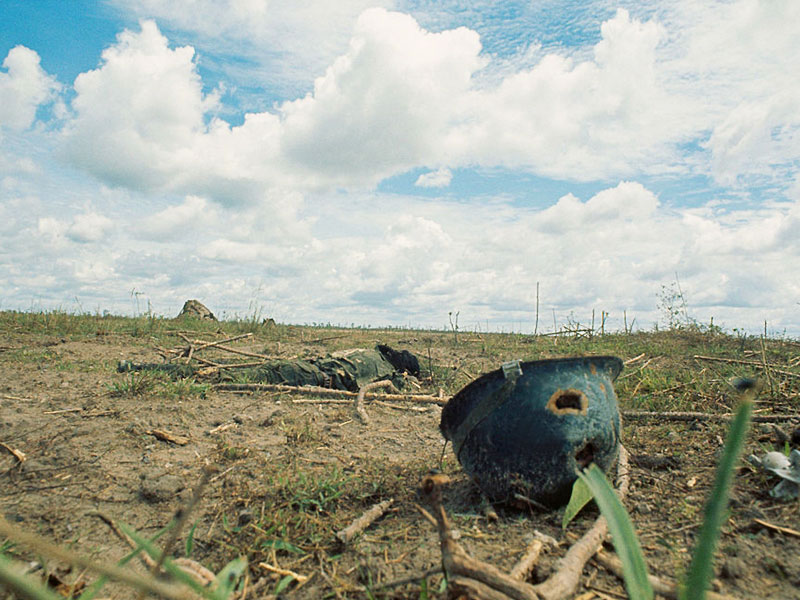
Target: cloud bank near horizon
{"points": [[155, 190]]}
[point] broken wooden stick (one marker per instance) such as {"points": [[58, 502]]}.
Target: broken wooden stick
{"points": [[310, 390], [358, 404], [760, 364], [201, 345], [301, 579], [18, 454], [364, 521], [785, 530], [662, 587], [564, 581], [638, 415], [167, 436]]}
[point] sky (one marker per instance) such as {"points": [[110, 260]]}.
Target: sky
{"points": [[404, 163]]}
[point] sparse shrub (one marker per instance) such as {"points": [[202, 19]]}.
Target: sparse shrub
{"points": [[135, 384]]}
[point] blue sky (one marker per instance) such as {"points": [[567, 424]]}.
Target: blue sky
{"points": [[386, 163]]}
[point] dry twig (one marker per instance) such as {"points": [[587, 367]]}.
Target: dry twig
{"points": [[526, 564], [785, 530], [18, 454], [301, 579], [364, 521], [167, 436], [662, 587]]}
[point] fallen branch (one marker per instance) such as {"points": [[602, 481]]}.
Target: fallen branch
{"points": [[406, 580], [327, 392], [222, 427], [358, 404], [242, 352], [753, 363], [636, 415], [564, 581], [203, 345], [630, 361], [401, 407], [662, 587], [364, 521]]}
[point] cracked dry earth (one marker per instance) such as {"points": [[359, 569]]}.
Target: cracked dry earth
{"points": [[290, 471]]}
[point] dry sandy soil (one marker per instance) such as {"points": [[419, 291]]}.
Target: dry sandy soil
{"points": [[290, 471]]}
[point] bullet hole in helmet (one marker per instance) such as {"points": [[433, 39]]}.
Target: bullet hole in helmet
{"points": [[568, 402]]}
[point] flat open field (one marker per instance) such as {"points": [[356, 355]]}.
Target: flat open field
{"points": [[287, 471]]}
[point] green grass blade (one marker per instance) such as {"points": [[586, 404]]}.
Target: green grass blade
{"points": [[23, 585], [91, 591], [168, 566], [190, 541], [228, 577], [581, 496], [701, 567], [283, 584], [625, 541]]}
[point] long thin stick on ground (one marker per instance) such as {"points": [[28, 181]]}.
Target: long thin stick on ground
{"points": [[660, 586], [308, 390], [769, 367], [635, 415]]}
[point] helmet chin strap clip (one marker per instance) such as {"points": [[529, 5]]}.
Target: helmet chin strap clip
{"points": [[512, 369]]}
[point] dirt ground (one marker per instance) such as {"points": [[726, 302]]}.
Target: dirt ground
{"points": [[290, 471]]}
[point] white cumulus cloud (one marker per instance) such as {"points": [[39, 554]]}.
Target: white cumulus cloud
{"points": [[384, 106], [195, 212], [401, 97], [23, 88], [138, 115], [291, 41], [435, 179], [89, 227]]}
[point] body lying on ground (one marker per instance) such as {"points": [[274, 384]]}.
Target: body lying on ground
{"points": [[345, 370]]}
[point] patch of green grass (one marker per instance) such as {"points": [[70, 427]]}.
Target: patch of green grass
{"points": [[181, 389], [133, 385]]}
